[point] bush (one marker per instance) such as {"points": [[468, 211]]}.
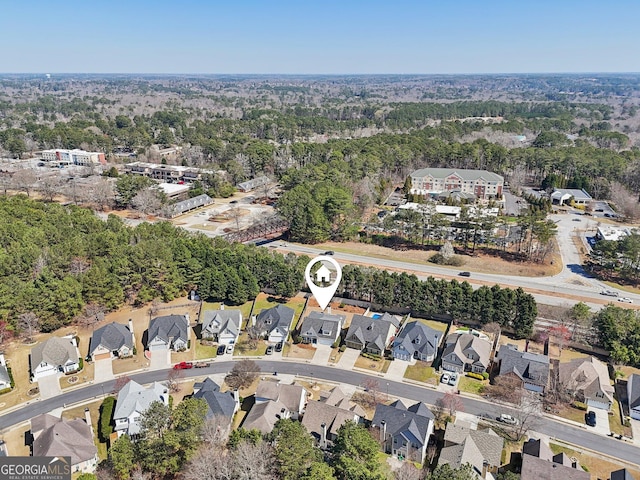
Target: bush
{"points": [[371, 356], [485, 375], [135, 351], [5, 390], [80, 364], [13, 383], [342, 348], [580, 405], [477, 376], [106, 412], [454, 261], [336, 344]]}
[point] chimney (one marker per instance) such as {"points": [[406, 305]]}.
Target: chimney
{"points": [[383, 429], [186, 316], [323, 438], [329, 309], [87, 417], [131, 326], [222, 306], [253, 320], [485, 467]]}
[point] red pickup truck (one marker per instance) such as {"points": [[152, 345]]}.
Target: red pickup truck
{"points": [[183, 366]]}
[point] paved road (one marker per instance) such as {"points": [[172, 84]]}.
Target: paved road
{"points": [[575, 435]]}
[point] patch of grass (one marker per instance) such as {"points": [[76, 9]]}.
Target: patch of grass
{"points": [[471, 385], [370, 364], [302, 351], [421, 372], [571, 413], [242, 346], [439, 326], [614, 422], [568, 354], [385, 468], [205, 351]]}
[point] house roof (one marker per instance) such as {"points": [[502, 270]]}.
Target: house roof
{"points": [[576, 193], [479, 446], [135, 398], [529, 367], [253, 183], [63, 438], [54, 351], [317, 413], [289, 395], [4, 375], [168, 328], [537, 448], [189, 204], [112, 337], [279, 317], [440, 173], [319, 324], [588, 375], [416, 336], [221, 321], [412, 423], [534, 468], [220, 404], [461, 343], [372, 331], [622, 474], [633, 390], [264, 416], [338, 398]]}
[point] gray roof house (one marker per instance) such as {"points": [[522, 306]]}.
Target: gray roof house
{"points": [[622, 474], [416, 340], [404, 431], [322, 421], [113, 339], [275, 323], [221, 325], [54, 355], [321, 328], [168, 332], [220, 404], [531, 368], [539, 463], [5, 380], [588, 379], [480, 448], [263, 416], [465, 352], [633, 395], [56, 437], [371, 335], [294, 397], [133, 400]]}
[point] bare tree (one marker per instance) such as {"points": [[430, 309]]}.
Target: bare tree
{"points": [[50, 186], [372, 395], [517, 178], [5, 332], [103, 194], [92, 313], [29, 323], [451, 403], [254, 336], [254, 462], [215, 431], [432, 450], [120, 383], [173, 380], [210, 464], [626, 202], [148, 201], [407, 472], [527, 414], [24, 180], [78, 266], [507, 388], [242, 374], [235, 214]]}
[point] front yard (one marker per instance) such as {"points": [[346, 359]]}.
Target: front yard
{"points": [[421, 372], [472, 385], [381, 365], [205, 351]]}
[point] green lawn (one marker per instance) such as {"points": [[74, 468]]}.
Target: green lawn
{"points": [[205, 351], [421, 372], [242, 347], [614, 421], [471, 385], [440, 326], [384, 465]]}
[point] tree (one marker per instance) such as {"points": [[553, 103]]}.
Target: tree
{"points": [[24, 180], [102, 194], [128, 186], [242, 374], [294, 448], [92, 313], [6, 332], [29, 323], [451, 403], [50, 186], [87, 476], [355, 454], [121, 457], [155, 420], [106, 416], [242, 435], [173, 380], [561, 333], [445, 472], [120, 383], [148, 201], [254, 462], [319, 471], [407, 472], [507, 388]]}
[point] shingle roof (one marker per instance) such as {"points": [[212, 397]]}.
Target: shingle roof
{"points": [[219, 321], [112, 337], [441, 173], [189, 204], [264, 416], [62, 438], [529, 367], [135, 398], [289, 395], [479, 445], [168, 327], [54, 351], [537, 448], [588, 375], [280, 316], [319, 324], [318, 413], [371, 331], [460, 343], [534, 468], [622, 474], [402, 421], [416, 336], [633, 390], [220, 404]]}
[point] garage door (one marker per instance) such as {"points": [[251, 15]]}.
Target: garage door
{"points": [[594, 404], [102, 356], [158, 348]]}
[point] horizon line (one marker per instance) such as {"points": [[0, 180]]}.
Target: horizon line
{"points": [[326, 74]]}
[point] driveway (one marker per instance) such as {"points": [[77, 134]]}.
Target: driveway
{"points": [[348, 358], [396, 370], [103, 370], [322, 355], [602, 422], [160, 359], [49, 386]]}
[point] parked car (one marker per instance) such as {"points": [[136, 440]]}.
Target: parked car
{"points": [[445, 378], [329, 252], [221, 350], [230, 348], [625, 300], [269, 350], [183, 366], [590, 418], [279, 347], [577, 219], [453, 379], [202, 365], [505, 418], [465, 274]]}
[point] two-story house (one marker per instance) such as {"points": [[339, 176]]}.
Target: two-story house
{"points": [[321, 328], [371, 335], [633, 396], [532, 369], [482, 449], [133, 400], [416, 341], [168, 332], [588, 380], [465, 352], [222, 325], [53, 356], [221, 404], [274, 323]]}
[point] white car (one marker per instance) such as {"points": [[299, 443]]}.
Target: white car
{"points": [[445, 378], [625, 300], [504, 418]]}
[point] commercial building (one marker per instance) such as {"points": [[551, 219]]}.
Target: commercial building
{"points": [[73, 157], [562, 195], [167, 173], [433, 181]]}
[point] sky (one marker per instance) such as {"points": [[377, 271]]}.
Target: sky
{"points": [[319, 37]]}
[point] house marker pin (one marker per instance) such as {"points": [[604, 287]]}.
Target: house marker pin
{"points": [[323, 295]]}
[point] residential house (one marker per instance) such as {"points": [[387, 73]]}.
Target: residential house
{"points": [[482, 449], [633, 395], [5, 379], [588, 380], [293, 397], [416, 341], [465, 352], [622, 474], [371, 335], [112, 340], [274, 323], [532, 369], [56, 437], [168, 332], [223, 326], [321, 328], [322, 421], [263, 416], [337, 398], [53, 356], [133, 400], [221, 405], [404, 431], [539, 463]]}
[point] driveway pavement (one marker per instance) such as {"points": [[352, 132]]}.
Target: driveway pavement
{"points": [[160, 360], [348, 358], [602, 422], [396, 370], [49, 386], [103, 370], [322, 355]]}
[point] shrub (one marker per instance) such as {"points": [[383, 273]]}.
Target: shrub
{"points": [[80, 364], [135, 351], [580, 405], [342, 348], [485, 375], [13, 383], [336, 344], [371, 356], [5, 390], [477, 376], [106, 412]]}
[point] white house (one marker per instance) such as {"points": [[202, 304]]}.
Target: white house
{"points": [[133, 401], [53, 356]]}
